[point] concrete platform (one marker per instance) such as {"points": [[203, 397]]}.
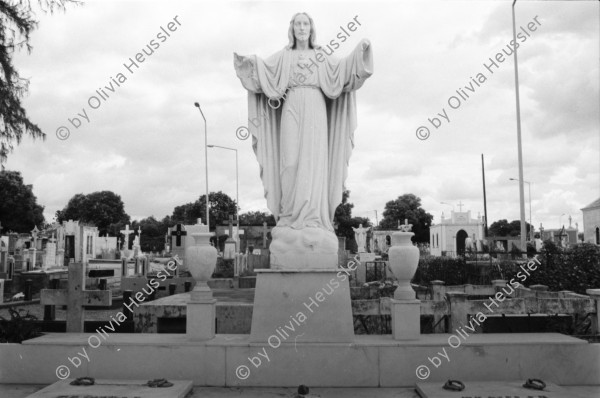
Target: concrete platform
{"points": [[22, 391], [495, 389], [368, 361], [114, 388]]}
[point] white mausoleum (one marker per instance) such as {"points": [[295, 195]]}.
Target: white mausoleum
{"points": [[453, 235]]}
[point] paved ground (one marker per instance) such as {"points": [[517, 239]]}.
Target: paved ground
{"points": [[22, 391]]}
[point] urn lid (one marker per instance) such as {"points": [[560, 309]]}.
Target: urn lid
{"points": [[400, 238]]}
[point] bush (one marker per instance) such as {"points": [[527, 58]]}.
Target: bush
{"points": [[224, 268], [453, 271], [18, 327], [576, 269]]}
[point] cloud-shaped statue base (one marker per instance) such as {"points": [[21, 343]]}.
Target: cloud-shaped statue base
{"points": [[302, 249]]}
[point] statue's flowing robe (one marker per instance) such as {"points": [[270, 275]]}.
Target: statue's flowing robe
{"points": [[302, 127]]}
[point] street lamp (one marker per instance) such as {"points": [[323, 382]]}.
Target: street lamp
{"points": [[530, 222], [237, 202], [519, 146], [376, 219], [205, 160]]}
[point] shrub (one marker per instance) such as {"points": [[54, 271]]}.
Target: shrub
{"points": [[18, 327], [576, 269], [453, 271]]}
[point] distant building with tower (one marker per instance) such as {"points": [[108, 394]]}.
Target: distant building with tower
{"points": [[563, 236]]}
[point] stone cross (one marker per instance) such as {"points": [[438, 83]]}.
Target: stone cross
{"points": [[75, 297], [126, 232], [34, 235], [178, 233], [460, 205]]}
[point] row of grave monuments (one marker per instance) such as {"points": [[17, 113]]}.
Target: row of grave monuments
{"points": [[254, 256]]}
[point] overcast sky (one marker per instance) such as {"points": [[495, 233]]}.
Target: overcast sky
{"points": [[145, 141]]}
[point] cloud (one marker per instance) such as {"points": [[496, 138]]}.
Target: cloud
{"points": [[146, 141]]}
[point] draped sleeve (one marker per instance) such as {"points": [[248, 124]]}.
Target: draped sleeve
{"points": [[264, 80], [339, 79]]}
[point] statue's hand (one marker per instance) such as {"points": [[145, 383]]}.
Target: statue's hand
{"points": [[242, 62]]}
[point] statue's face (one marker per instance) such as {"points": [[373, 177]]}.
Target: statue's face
{"points": [[302, 28]]}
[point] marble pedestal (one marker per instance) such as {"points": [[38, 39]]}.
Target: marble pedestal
{"points": [[201, 314], [293, 306], [406, 319]]}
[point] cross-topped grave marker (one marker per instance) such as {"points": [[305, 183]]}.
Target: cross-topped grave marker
{"points": [[126, 232], [178, 233], [75, 297]]}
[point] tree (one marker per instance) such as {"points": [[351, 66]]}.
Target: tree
{"points": [[153, 234], [407, 206], [220, 206], [104, 209], [257, 218], [504, 228], [19, 211], [16, 23]]}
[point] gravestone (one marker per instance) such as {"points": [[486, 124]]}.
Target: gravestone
{"points": [[49, 259], [230, 244], [125, 252], [178, 241], [361, 271], [75, 297], [34, 235], [137, 247], [3, 254]]}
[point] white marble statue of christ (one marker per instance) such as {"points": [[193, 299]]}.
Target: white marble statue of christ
{"points": [[301, 104]]}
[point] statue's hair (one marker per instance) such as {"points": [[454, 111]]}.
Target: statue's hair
{"points": [[312, 35]]}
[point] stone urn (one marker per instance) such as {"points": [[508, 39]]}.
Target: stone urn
{"points": [[202, 260], [403, 261]]}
